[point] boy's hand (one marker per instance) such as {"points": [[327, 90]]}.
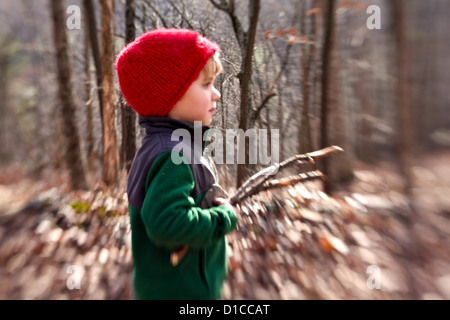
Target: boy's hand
{"points": [[225, 202]]}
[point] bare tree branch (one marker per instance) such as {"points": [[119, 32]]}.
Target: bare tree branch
{"points": [[280, 183], [259, 181], [236, 23], [157, 12], [223, 5], [146, 16], [270, 93], [181, 13]]}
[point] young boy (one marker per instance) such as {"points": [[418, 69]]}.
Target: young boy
{"points": [[178, 241]]}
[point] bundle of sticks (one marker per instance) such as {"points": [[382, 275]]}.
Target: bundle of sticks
{"points": [[264, 180]]}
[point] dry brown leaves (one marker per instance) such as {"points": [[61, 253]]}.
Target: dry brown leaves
{"points": [[293, 243]]}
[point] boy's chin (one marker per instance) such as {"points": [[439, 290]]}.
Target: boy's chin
{"points": [[206, 122]]}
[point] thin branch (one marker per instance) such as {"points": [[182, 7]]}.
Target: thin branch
{"points": [[156, 11], [223, 5], [257, 181], [263, 104], [144, 16], [228, 7], [270, 93], [181, 13], [280, 183]]}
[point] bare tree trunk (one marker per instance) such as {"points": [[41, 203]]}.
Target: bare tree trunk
{"points": [[246, 41], [60, 150], [223, 110], [6, 130], [5, 150], [341, 167], [326, 59], [405, 134], [403, 94], [221, 90], [89, 100], [364, 145], [254, 6], [128, 115], [73, 150], [304, 139], [281, 122], [110, 152], [92, 25], [315, 78]]}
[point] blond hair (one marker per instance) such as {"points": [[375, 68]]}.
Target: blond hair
{"points": [[213, 67]]}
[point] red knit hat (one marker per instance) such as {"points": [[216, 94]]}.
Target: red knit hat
{"points": [[157, 68]]}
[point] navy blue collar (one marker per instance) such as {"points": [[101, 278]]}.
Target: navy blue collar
{"points": [[153, 124]]}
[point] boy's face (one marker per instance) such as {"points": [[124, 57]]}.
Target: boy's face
{"points": [[198, 103]]}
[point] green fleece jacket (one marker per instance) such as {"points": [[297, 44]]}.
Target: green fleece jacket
{"points": [[169, 216]]}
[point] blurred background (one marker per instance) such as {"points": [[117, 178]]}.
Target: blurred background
{"points": [[369, 76]]}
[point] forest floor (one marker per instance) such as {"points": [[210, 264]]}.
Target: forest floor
{"points": [[364, 242]]}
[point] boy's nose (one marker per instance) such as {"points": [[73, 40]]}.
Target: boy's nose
{"points": [[216, 94]]}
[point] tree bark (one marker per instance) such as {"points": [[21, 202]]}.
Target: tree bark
{"points": [[73, 150], [89, 99], [246, 41], [281, 123], [326, 59], [341, 167], [403, 95], [304, 138], [254, 8], [92, 25], [315, 81], [270, 92], [5, 150], [405, 133], [128, 115], [110, 152]]}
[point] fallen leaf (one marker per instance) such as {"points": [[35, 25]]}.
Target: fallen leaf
{"points": [[338, 245], [233, 264], [310, 215], [270, 242], [325, 244], [330, 243]]}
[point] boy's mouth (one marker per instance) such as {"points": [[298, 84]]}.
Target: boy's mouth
{"points": [[212, 110]]}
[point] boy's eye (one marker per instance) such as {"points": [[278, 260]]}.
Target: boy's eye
{"points": [[208, 82]]}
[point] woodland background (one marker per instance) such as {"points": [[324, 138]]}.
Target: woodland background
{"points": [[311, 68]]}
